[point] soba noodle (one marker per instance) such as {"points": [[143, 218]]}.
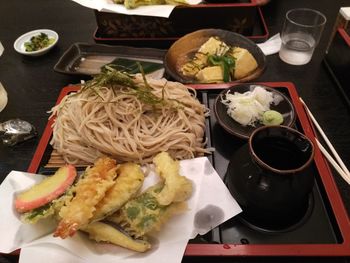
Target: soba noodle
{"points": [[115, 122]]}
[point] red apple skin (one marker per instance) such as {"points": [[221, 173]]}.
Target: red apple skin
{"points": [[47, 190]]}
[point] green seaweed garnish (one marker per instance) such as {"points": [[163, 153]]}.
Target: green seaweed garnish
{"points": [[112, 78], [132, 66]]}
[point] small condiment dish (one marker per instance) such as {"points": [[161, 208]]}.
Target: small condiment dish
{"points": [[19, 43], [284, 106]]}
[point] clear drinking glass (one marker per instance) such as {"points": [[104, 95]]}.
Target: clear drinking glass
{"points": [[300, 35]]}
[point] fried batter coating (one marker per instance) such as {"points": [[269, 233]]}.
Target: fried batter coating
{"points": [[129, 181], [144, 214], [99, 231], [89, 191], [177, 188]]}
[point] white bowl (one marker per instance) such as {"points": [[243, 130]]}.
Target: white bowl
{"points": [[19, 43]]}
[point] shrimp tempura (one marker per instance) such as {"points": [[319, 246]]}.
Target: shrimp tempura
{"points": [[129, 181], [89, 191]]}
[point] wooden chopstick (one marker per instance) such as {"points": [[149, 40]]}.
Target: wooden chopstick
{"points": [[339, 164], [345, 176]]}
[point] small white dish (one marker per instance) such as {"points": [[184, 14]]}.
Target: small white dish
{"points": [[19, 43]]}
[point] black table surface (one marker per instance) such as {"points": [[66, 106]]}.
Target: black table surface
{"points": [[33, 86]]}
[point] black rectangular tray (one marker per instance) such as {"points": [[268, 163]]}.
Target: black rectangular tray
{"points": [[324, 231], [318, 217], [257, 32]]}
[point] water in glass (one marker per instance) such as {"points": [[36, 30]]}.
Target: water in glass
{"points": [[297, 48]]}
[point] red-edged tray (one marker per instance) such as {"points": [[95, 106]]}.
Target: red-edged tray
{"points": [[331, 203]]}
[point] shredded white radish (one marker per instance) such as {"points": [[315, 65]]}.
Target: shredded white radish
{"points": [[247, 108]]}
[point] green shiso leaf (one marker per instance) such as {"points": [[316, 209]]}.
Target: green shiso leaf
{"points": [[132, 66]]}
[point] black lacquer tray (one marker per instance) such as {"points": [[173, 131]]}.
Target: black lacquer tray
{"points": [[324, 230], [243, 18]]}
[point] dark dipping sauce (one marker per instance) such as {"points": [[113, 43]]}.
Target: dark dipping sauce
{"points": [[280, 153]]}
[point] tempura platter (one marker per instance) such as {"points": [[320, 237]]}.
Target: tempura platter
{"points": [[324, 231]]}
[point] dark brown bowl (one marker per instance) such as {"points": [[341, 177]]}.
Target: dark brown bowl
{"points": [[185, 48], [285, 107]]}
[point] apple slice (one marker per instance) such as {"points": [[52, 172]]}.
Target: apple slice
{"points": [[47, 190]]}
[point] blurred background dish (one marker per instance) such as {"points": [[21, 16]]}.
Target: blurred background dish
{"points": [[284, 107], [44, 40], [185, 48]]}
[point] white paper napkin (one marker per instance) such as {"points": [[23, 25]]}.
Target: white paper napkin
{"points": [[48, 253], [151, 10], [272, 45], [210, 205]]}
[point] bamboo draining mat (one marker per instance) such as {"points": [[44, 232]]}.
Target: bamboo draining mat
{"points": [[56, 160]]}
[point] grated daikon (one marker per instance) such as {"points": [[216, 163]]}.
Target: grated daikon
{"points": [[247, 108]]}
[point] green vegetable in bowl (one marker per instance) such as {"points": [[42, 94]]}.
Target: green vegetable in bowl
{"points": [[272, 117], [38, 42], [226, 63]]}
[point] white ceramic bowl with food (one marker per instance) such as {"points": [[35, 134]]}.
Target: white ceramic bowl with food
{"points": [[20, 43]]}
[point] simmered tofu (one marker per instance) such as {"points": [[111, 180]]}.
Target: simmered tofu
{"points": [[192, 67], [214, 46], [210, 74], [245, 62]]}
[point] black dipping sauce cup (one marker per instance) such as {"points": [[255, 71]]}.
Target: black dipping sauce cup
{"points": [[270, 177]]}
